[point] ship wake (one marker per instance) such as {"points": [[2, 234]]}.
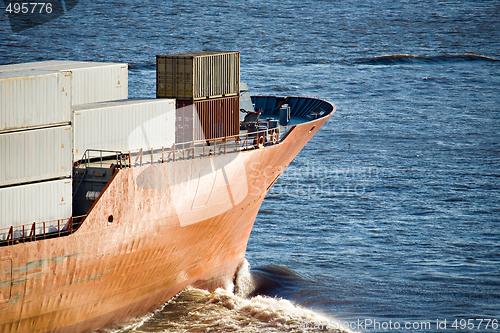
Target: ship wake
{"points": [[243, 309]]}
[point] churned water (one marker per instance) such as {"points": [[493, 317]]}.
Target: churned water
{"points": [[388, 220]]}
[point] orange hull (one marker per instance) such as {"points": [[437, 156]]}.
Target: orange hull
{"points": [[176, 224]]}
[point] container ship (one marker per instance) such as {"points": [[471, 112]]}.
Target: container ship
{"points": [[110, 206]]}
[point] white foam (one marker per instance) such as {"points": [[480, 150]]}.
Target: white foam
{"points": [[245, 284], [268, 313], [224, 311]]}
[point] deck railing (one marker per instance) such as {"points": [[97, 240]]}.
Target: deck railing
{"points": [[39, 230], [208, 147], [101, 158]]}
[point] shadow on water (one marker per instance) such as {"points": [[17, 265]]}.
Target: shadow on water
{"points": [[275, 280]]}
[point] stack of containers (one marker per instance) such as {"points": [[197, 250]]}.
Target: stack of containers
{"points": [[123, 125], [36, 134], [206, 86]]}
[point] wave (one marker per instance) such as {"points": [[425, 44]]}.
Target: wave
{"points": [[408, 58], [274, 280], [196, 310]]}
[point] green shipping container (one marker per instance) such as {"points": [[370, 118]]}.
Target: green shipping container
{"points": [[198, 75]]}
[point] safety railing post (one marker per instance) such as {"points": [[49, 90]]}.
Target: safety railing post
{"points": [[191, 150], [32, 234]]}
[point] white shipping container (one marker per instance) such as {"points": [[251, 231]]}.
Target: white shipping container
{"points": [[35, 65], [92, 81], [124, 125], [34, 155], [95, 81], [38, 202], [33, 98]]}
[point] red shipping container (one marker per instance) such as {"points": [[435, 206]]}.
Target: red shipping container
{"points": [[207, 119]]}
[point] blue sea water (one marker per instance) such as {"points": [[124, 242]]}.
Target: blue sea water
{"points": [[392, 212]]}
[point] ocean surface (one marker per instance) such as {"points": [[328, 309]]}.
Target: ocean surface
{"points": [[389, 219]]}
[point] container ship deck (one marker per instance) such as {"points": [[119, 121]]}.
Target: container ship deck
{"points": [[135, 199]]}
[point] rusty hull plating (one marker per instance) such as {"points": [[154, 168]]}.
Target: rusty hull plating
{"points": [[176, 224]]}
